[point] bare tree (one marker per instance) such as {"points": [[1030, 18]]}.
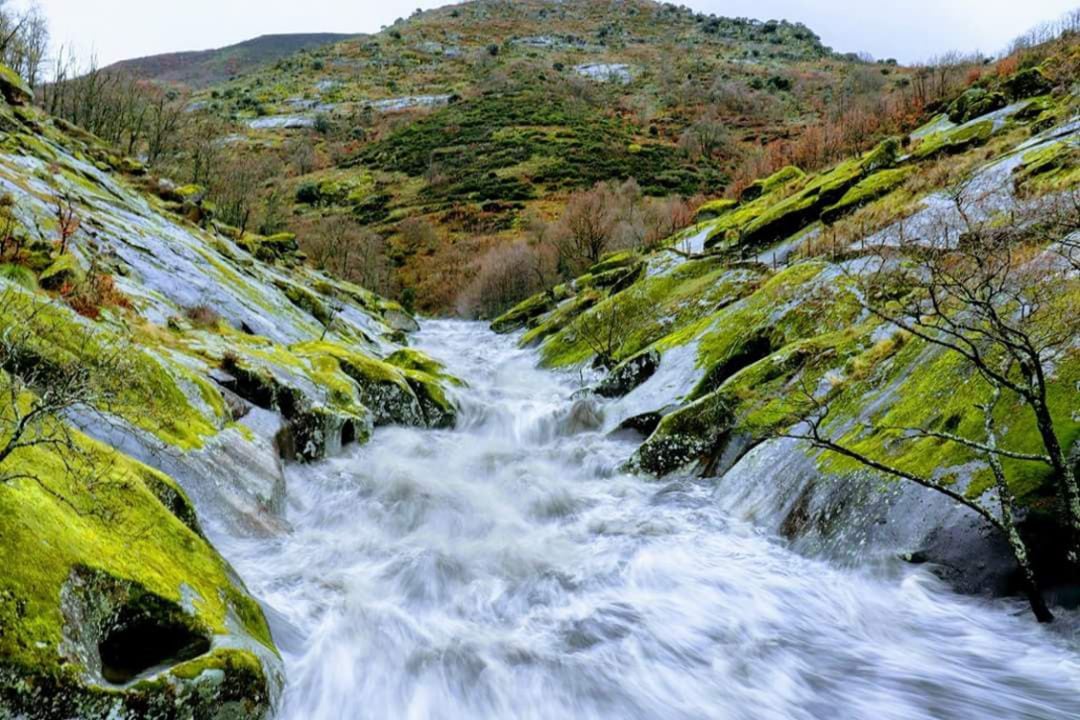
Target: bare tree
{"points": [[24, 40], [40, 384], [998, 290], [344, 248], [1004, 519], [608, 327], [587, 226]]}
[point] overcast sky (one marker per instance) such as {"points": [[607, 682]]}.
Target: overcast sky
{"points": [[906, 29]]}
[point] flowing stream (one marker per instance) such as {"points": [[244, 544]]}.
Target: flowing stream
{"points": [[508, 569]]}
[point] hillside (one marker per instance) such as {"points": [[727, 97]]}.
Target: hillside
{"points": [[785, 303], [203, 68], [162, 371], [471, 119]]}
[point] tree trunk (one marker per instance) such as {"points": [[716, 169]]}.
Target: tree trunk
{"points": [[1065, 476], [1008, 519], [1031, 584]]}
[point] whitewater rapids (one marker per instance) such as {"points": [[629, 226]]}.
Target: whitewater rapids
{"points": [[508, 570]]}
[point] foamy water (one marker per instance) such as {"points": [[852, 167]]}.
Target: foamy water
{"points": [[508, 569]]}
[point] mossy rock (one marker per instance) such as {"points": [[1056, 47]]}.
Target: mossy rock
{"points": [[64, 270], [629, 375], [410, 359], [616, 278], [974, 103], [1055, 167], [189, 194], [686, 436], [876, 186], [560, 318], [885, 155], [714, 209], [613, 261], [439, 412], [384, 389], [14, 88], [306, 300], [955, 141], [1028, 83], [786, 217], [101, 618], [519, 315], [276, 247], [777, 180]]}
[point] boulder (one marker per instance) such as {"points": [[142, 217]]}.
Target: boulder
{"points": [[1028, 83], [64, 270], [14, 88], [629, 375], [975, 103]]}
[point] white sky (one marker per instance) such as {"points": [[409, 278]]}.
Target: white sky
{"points": [[906, 29]]}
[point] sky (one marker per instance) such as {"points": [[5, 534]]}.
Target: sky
{"points": [[909, 30]]}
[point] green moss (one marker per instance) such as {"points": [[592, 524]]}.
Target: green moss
{"points": [[955, 140], [652, 310], [794, 304], [306, 300], [920, 386], [1053, 167], [975, 103], [20, 275], [777, 180], [561, 317], [65, 269], [439, 410], [614, 261], [120, 527], [520, 315], [715, 208], [410, 359], [147, 394], [13, 88], [867, 190], [1027, 83]]}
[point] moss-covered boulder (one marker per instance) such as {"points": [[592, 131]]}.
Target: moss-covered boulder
{"points": [[64, 270], [112, 604], [520, 315], [20, 275], [13, 88], [321, 407], [277, 247], [764, 186], [1028, 83], [686, 436], [411, 359], [629, 374], [867, 190], [955, 140], [975, 103], [383, 388], [714, 209]]}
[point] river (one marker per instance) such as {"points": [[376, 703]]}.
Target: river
{"points": [[508, 570]]}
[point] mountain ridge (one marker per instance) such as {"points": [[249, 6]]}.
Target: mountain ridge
{"points": [[203, 68]]}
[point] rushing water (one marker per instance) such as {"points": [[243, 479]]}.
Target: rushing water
{"points": [[508, 570]]}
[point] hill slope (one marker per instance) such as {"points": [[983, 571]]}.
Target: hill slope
{"points": [[159, 371], [202, 68], [474, 117]]}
